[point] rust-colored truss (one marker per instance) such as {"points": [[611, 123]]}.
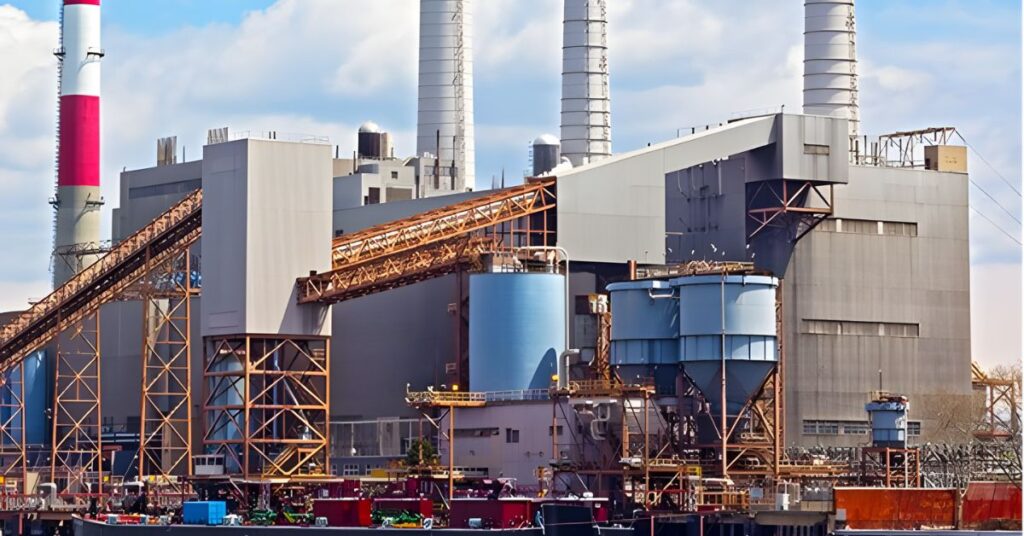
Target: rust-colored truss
{"points": [[890, 467], [1000, 417], [13, 460], [103, 281], [76, 455], [266, 404], [787, 205], [405, 268], [165, 438], [442, 224]]}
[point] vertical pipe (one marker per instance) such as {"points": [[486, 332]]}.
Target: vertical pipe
{"points": [[725, 431], [647, 450], [188, 362], [451, 455]]}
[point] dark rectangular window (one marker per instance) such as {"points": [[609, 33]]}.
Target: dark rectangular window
{"points": [[374, 197], [858, 328], [511, 435], [394, 174], [558, 429], [178, 187], [869, 227]]}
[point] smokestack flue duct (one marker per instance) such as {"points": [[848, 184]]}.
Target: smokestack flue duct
{"points": [[77, 225], [830, 60], [586, 99], [445, 119]]}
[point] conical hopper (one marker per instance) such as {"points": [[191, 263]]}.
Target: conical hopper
{"points": [[743, 379]]}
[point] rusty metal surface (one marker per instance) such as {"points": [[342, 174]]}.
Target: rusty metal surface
{"points": [[896, 508]]}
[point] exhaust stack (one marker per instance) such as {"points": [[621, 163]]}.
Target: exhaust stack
{"points": [[830, 60], [78, 201], [445, 118], [586, 99]]}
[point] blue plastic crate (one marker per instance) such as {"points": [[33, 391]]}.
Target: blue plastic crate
{"points": [[204, 512]]}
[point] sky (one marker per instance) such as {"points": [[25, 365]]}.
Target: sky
{"points": [[179, 67]]}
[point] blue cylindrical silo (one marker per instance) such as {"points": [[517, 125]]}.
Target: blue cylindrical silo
{"points": [[734, 315], [37, 382], [645, 331], [516, 330]]}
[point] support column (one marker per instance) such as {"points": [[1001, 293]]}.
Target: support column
{"points": [[77, 452]]}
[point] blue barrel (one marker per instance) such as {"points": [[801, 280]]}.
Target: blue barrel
{"points": [[516, 330], [740, 307], [888, 422]]}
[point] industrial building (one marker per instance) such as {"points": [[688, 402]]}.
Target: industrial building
{"points": [[324, 306]]}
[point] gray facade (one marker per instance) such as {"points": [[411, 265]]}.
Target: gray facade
{"points": [[884, 286]]}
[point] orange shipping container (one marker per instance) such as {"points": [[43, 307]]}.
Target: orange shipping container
{"points": [[896, 508], [988, 502]]}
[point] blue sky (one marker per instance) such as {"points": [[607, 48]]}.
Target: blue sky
{"points": [[178, 67]]}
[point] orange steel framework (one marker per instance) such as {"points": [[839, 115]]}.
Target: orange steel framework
{"points": [[76, 457], [266, 404], [429, 400], [787, 205], [432, 244], [891, 467], [13, 460], [1000, 417], [165, 436]]}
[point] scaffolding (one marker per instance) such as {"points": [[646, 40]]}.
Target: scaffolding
{"points": [[76, 456], [266, 405]]}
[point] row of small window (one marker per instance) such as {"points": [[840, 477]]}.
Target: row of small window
{"points": [[354, 469], [850, 428], [854, 327], [511, 434], [872, 227]]}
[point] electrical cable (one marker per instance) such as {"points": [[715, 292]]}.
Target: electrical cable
{"points": [[1008, 213], [1008, 235], [993, 168]]}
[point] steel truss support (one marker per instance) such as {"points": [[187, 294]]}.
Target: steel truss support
{"points": [[793, 207], [165, 436], [76, 458], [13, 461], [891, 467], [266, 404]]}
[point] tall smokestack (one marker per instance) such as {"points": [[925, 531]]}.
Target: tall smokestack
{"points": [[586, 99], [445, 119], [830, 60], [77, 226]]}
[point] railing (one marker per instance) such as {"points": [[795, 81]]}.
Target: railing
{"points": [[518, 395], [445, 398]]}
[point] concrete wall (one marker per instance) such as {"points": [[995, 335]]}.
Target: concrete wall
{"points": [[266, 221], [850, 276], [147, 193]]}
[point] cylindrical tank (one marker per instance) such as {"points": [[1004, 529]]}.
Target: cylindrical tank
{"points": [[370, 142], [227, 394], [645, 330], [734, 316], [516, 330], [547, 153], [888, 421], [37, 383], [830, 60]]}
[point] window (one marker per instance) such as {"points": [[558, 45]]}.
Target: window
{"points": [[816, 149], [394, 174], [812, 427], [870, 227], [350, 469], [913, 428], [864, 329], [856, 428], [179, 187], [476, 432], [558, 429], [374, 197], [511, 435]]}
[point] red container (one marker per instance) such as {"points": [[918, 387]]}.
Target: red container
{"points": [[495, 513], [348, 512], [990, 502], [421, 506], [896, 508]]}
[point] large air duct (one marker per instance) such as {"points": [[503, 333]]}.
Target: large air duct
{"points": [[830, 60], [586, 99], [445, 119], [77, 225]]}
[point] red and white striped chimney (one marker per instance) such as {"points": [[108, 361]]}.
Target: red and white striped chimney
{"points": [[78, 201]]}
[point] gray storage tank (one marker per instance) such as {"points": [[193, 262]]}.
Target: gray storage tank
{"points": [[730, 317], [645, 331], [888, 415], [516, 330]]}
